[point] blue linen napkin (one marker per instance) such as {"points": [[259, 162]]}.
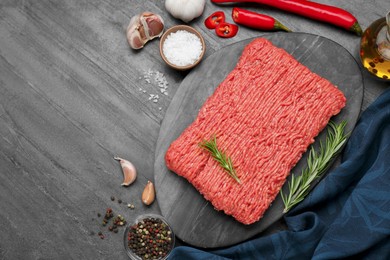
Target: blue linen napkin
{"points": [[347, 215]]}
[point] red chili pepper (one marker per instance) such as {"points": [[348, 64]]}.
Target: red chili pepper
{"points": [[214, 19], [226, 30], [313, 10], [256, 20]]}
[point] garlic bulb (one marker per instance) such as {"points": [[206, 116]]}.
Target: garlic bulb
{"points": [[185, 10], [143, 28]]}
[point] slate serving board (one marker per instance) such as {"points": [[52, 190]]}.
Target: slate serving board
{"points": [[193, 219]]}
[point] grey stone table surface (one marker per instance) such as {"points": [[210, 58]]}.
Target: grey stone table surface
{"points": [[73, 95]]}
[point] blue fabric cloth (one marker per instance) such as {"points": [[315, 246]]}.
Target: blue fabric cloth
{"points": [[347, 215]]}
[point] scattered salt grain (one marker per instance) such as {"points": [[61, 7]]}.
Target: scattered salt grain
{"points": [[182, 48], [154, 98], [155, 79]]}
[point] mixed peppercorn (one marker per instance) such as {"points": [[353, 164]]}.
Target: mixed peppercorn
{"points": [[150, 238], [117, 221]]}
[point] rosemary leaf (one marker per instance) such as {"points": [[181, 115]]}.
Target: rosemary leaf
{"points": [[317, 164], [224, 161]]}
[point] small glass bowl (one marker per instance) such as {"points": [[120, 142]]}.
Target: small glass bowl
{"points": [[173, 30], [168, 237]]}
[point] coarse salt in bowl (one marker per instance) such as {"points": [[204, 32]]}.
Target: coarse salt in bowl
{"points": [[155, 233], [182, 47]]}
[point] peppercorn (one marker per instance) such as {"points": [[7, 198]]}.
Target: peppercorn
{"points": [[145, 239], [109, 214], [119, 201], [117, 221]]}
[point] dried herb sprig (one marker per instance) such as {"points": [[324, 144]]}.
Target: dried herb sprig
{"points": [[317, 164], [224, 161]]}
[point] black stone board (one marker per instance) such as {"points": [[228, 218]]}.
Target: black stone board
{"points": [[193, 219]]}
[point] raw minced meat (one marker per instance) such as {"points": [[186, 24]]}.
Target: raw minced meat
{"points": [[265, 114]]}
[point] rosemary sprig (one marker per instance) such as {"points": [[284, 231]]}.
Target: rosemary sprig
{"points": [[317, 164], [224, 161]]}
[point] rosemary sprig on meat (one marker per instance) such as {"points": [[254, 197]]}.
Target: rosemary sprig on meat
{"points": [[317, 164], [224, 161]]}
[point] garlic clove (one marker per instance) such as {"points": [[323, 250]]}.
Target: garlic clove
{"points": [[135, 34], [143, 28], [129, 171], [135, 41], [133, 21], [148, 195], [154, 24]]}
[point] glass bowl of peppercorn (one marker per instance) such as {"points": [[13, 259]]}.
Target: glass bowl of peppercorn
{"points": [[149, 237]]}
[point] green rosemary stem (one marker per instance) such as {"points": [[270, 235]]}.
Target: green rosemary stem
{"points": [[317, 164], [224, 161]]}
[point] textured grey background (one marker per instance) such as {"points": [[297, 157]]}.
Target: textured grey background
{"points": [[70, 101]]}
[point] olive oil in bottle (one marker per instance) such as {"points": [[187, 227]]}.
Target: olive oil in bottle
{"points": [[375, 48]]}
